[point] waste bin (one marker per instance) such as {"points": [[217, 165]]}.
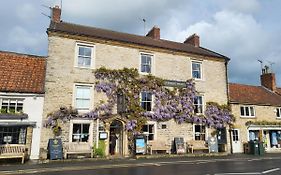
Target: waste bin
{"points": [[254, 147], [261, 149]]}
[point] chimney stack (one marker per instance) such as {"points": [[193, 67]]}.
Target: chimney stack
{"points": [[193, 40], [154, 33], [268, 80], [56, 14]]}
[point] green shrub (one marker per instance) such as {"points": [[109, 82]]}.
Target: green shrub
{"points": [[100, 151]]}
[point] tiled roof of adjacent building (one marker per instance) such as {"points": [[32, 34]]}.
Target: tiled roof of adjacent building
{"points": [[22, 73], [278, 90], [256, 95], [87, 31]]}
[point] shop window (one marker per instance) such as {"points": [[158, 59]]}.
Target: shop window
{"points": [[80, 132], [12, 135], [247, 111], [198, 105], [11, 105], [253, 135], [146, 101], [199, 132], [149, 130]]}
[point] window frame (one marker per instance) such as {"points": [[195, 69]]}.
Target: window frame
{"points": [[200, 133], [151, 63], [245, 107], [278, 112], [17, 100], [201, 69], [12, 131], [152, 99], [154, 130], [81, 121], [93, 55], [203, 106], [90, 86]]}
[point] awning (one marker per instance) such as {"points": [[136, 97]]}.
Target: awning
{"points": [[18, 124], [264, 127], [13, 116]]}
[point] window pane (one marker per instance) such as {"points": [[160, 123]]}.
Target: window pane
{"points": [[81, 50], [85, 132], [87, 51], [80, 61], [242, 111], [247, 111], [252, 111], [83, 92], [278, 112]]}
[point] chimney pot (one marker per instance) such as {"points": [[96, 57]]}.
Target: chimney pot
{"points": [[193, 40], [268, 81], [56, 14], [154, 33]]}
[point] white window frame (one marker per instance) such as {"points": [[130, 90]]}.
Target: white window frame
{"points": [[206, 131], [278, 111], [90, 140], [154, 129], [203, 104], [151, 65], [249, 109], [93, 55], [201, 69], [17, 101], [152, 100], [91, 96]]}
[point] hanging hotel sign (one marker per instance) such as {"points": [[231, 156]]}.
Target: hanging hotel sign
{"points": [[173, 83]]}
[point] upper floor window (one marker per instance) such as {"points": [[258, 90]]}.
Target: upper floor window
{"points": [[199, 132], [146, 63], [198, 104], [247, 111], [146, 101], [85, 55], [278, 112], [196, 70], [82, 97], [11, 105]]}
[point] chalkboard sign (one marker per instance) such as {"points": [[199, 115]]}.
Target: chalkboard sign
{"points": [[140, 142], [55, 149], [213, 144], [179, 145]]}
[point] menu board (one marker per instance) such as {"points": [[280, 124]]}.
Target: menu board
{"points": [[179, 145], [140, 145], [55, 149], [213, 144]]}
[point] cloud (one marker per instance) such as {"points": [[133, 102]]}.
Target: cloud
{"points": [[26, 13]]}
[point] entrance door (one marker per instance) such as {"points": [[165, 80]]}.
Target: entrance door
{"points": [[236, 143], [116, 138]]}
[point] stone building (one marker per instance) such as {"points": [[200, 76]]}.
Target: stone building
{"points": [[76, 51], [257, 110], [21, 100]]}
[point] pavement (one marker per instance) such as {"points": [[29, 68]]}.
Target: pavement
{"points": [[98, 164]]}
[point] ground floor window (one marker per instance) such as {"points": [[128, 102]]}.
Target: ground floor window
{"points": [[80, 132], [200, 132], [275, 138], [12, 135], [149, 130], [253, 135]]}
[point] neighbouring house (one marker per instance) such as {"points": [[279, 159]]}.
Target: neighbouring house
{"points": [[257, 110], [76, 52], [22, 80]]}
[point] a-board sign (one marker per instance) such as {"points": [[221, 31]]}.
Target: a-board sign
{"points": [[55, 149], [140, 145], [179, 145], [213, 144]]}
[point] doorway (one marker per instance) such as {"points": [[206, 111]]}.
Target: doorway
{"points": [[116, 138], [236, 144]]}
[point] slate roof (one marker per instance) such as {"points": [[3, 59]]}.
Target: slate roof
{"points": [[255, 95], [22, 73], [87, 31]]}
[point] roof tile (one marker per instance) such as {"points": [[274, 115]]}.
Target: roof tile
{"points": [[21, 73]]}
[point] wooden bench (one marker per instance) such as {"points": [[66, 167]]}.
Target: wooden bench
{"points": [[194, 145], [159, 146], [13, 151], [77, 148]]}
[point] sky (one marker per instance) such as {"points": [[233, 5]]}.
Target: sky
{"points": [[243, 30]]}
